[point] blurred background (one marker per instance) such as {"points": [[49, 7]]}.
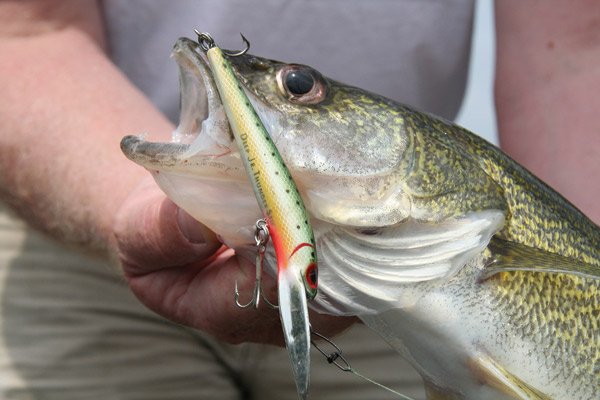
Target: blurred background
{"points": [[477, 112]]}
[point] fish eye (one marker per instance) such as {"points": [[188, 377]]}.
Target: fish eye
{"points": [[301, 84]]}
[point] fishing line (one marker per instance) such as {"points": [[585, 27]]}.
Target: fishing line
{"points": [[336, 358]]}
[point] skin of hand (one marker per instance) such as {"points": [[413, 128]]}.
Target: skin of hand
{"points": [[177, 268], [64, 108], [547, 98]]}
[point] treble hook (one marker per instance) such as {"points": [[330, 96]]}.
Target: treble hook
{"points": [[206, 43], [261, 236]]}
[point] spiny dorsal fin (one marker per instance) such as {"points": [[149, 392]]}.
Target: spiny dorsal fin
{"points": [[511, 256]]}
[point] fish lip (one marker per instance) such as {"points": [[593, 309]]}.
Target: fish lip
{"points": [[146, 153]]}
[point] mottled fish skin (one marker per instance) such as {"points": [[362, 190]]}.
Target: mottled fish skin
{"points": [[539, 217], [562, 311], [451, 171], [368, 168]]}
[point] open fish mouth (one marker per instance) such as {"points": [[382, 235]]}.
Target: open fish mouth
{"points": [[203, 123], [200, 169], [202, 143]]}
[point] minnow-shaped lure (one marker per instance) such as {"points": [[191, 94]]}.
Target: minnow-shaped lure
{"points": [[281, 205]]}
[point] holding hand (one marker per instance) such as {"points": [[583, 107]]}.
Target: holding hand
{"points": [[177, 267]]}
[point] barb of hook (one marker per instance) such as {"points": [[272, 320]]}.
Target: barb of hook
{"points": [[206, 43], [261, 236]]}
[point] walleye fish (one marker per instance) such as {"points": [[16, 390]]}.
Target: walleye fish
{"points": [[478, 273]]}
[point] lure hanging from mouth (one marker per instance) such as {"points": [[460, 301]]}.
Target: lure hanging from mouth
{"points": [[282, 207]]}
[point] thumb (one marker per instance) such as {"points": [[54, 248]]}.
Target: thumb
{"points": [[151, 233]]}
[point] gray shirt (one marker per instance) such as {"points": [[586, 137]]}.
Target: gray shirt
{"points": [[414, 51]]}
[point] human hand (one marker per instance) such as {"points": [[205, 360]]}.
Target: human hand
{"points": [[178, 268]]}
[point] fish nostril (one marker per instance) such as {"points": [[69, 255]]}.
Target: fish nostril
{"points": [[258, 64]]}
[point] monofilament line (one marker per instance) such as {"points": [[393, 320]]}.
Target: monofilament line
{"points": [[336, 358]]}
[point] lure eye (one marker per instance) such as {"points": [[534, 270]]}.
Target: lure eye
{"points": [[301, 84], [312, 276]]}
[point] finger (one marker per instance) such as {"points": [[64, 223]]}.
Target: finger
{"points": [[151, 232], [202, 296], [216, 312]]}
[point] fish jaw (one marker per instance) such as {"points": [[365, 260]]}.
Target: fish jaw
{"points": [[200, 168]]}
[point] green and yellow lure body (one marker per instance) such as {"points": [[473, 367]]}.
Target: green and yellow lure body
{"points": [[282, 207]]}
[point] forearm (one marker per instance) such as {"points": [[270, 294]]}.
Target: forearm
{"points": [[547, 99], [64, 108]]}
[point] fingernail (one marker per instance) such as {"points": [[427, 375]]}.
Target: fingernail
{"points": [[190, 228]]}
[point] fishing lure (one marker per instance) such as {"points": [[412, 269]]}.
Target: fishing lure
{"points": [[282, 208]]}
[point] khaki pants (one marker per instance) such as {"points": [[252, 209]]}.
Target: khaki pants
{"points": [[70, 330]]}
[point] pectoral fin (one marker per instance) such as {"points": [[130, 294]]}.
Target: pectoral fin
{"points": [[510, 256], [494, 375]]}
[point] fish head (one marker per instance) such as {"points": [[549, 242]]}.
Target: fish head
{"points": [[337, 141], [356, 158]]}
